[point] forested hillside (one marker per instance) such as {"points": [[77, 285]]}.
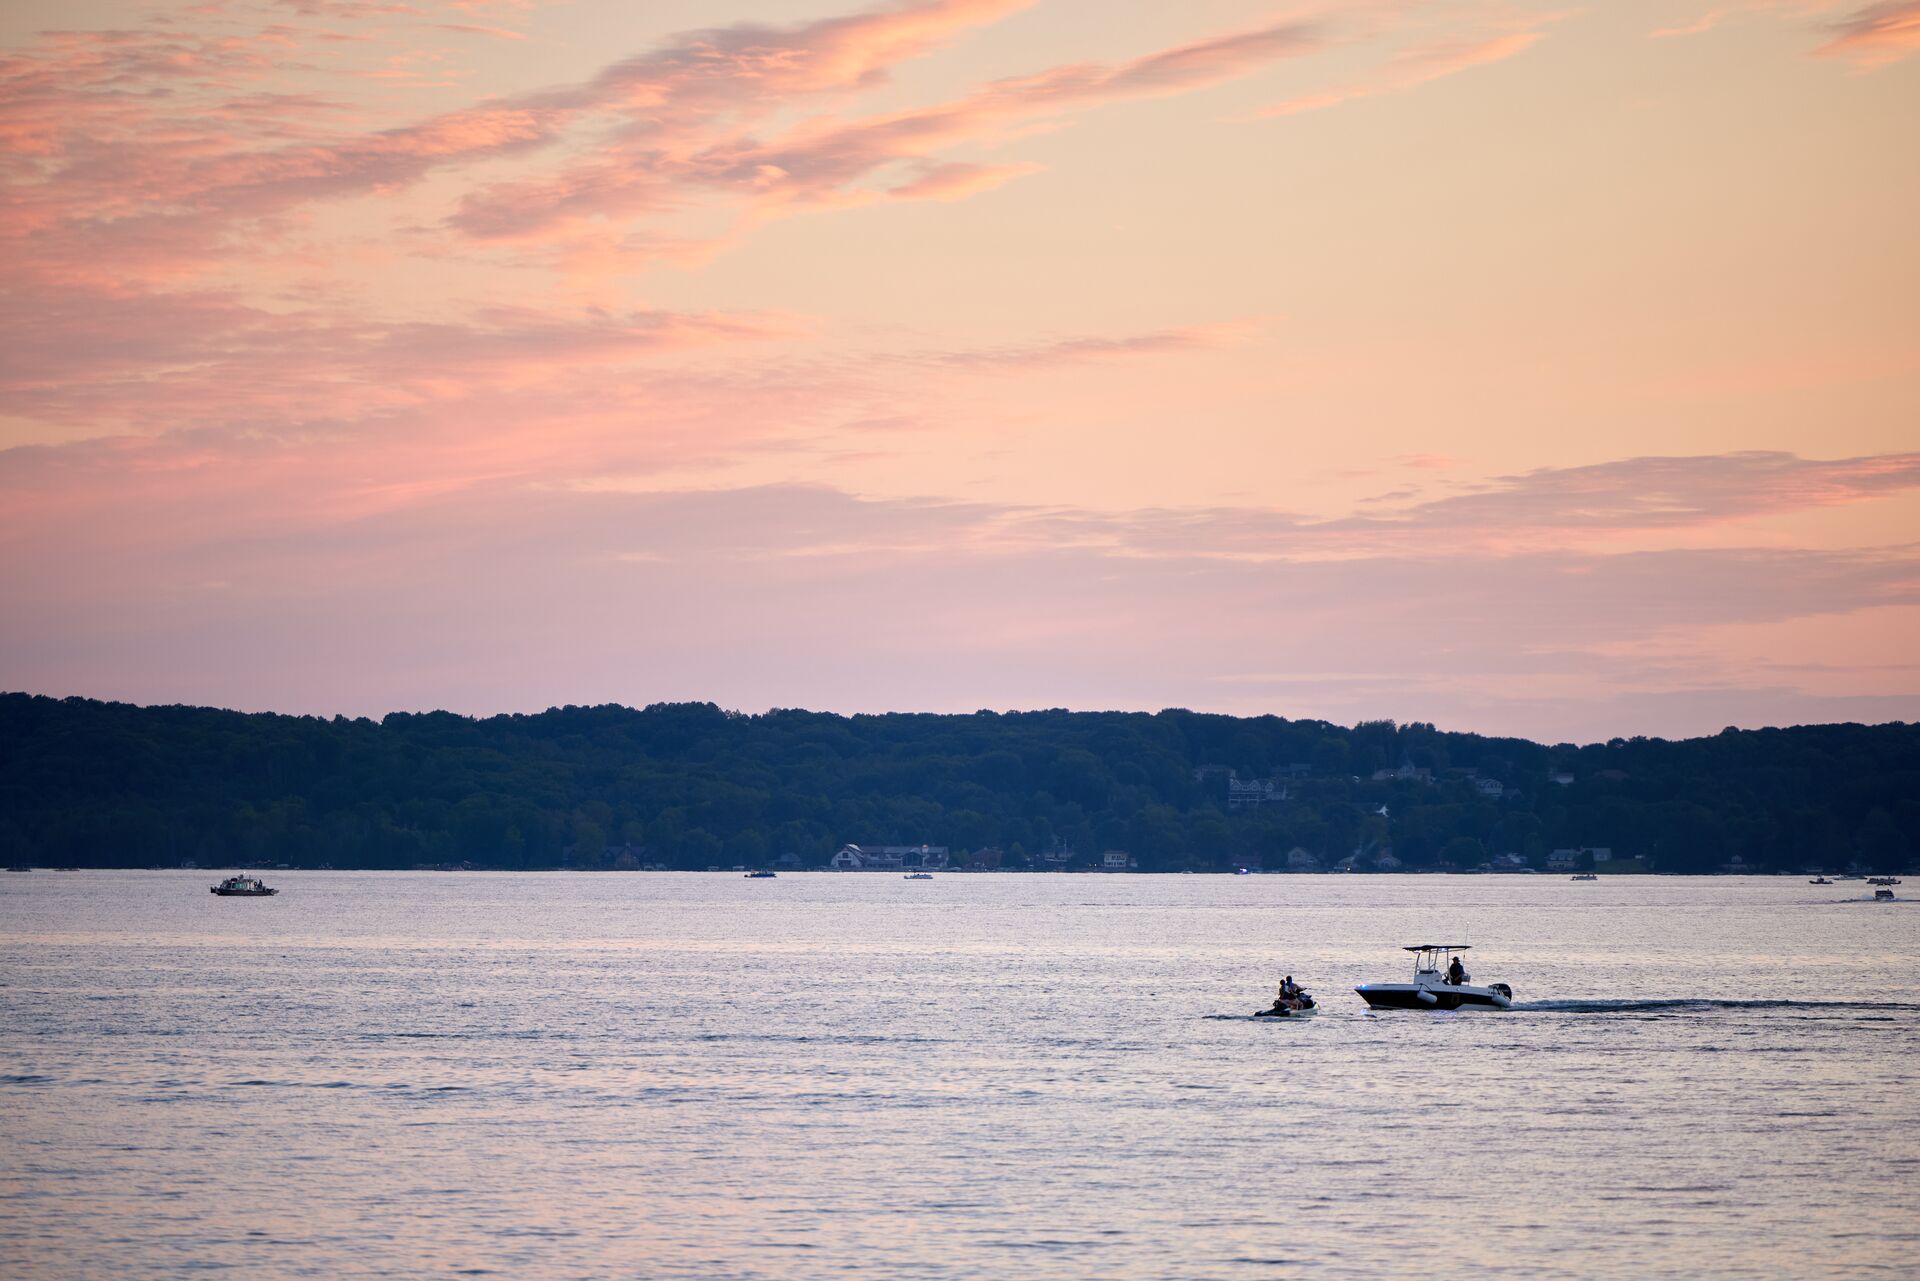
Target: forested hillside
{"points": [[86, 783]]}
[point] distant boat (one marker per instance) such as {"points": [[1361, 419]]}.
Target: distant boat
{"points": [[1585, 876], [762, 875], [1883, 880], [242, 887], [918, 876], [19, 867], [1883, 896], [1819, 880]]}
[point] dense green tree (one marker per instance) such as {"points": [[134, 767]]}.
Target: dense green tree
{"points": [[691, 785]]}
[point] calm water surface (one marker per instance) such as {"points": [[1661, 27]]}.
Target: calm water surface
{"points": [[996, 1077]]}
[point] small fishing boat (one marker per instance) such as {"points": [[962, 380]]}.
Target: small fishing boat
{"points": [[1584, 876], [1883, 880], [1883, 896], [762, 875], [243, 887], [918, 876], [1819, 880], [1434, 988]]}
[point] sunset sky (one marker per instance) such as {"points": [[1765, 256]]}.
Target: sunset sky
{"points": [[1535, 368]]}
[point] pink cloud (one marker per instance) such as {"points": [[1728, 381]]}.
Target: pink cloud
{"points": [[958, 181], [1877, 35], [821, 161], [439, 600]]}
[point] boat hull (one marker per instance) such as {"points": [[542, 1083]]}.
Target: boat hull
{"points": [[1437, 996], [244, 893]]}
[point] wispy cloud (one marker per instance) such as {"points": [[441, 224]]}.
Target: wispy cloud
{"points": [[1877, 35], [1412, 68]]}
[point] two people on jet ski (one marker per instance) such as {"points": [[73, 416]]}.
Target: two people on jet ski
{"points": [[1289, 991], [1457, 973]]}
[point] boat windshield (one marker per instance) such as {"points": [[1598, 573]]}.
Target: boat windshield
{"points": [[1432, 958]]}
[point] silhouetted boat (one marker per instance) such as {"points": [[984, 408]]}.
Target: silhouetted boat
{"points": [[243, 887], [761, 875]]}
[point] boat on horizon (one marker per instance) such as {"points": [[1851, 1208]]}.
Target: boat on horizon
{"points": [[763, 874], [1819, 880], [1584, 876], [242, 887], [918, 876], [1435, 989]]}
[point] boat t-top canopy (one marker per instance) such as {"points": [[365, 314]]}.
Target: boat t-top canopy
{"points": [[1435, 947]]}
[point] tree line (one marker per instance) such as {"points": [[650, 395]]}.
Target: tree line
{"points": [[85, 783]]}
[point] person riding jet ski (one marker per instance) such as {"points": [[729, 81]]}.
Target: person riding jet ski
{"points": [[1292, 999]]}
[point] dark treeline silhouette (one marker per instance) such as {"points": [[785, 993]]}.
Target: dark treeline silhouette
{"points": [[92, 784]]}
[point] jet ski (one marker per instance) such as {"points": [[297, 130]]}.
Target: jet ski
{"points": [[1431, 989], [1297, 1006]]}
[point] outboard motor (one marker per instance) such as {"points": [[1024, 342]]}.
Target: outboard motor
{"points": [[1502, 989]]}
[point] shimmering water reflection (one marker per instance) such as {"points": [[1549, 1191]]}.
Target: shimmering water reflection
{"points": [[668, 1075]]}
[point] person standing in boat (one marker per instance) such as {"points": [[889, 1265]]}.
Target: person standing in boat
{"points": [[1457, 973]]}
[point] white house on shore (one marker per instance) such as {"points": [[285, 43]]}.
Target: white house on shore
{"points": [[871, 858]]}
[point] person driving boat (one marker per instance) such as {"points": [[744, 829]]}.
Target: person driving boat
{"points": [[1457, 973]]}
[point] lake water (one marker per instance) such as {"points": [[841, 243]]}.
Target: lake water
{"points": [[997, 1077]]}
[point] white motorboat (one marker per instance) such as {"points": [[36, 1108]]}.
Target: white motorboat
{"points": [[1435, 988], [918, 876]]}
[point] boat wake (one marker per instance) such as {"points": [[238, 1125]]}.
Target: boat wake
{"points": [[1681, 1004]]}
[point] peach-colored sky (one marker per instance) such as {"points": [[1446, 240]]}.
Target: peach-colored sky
{"points": [[1532, 368]]}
